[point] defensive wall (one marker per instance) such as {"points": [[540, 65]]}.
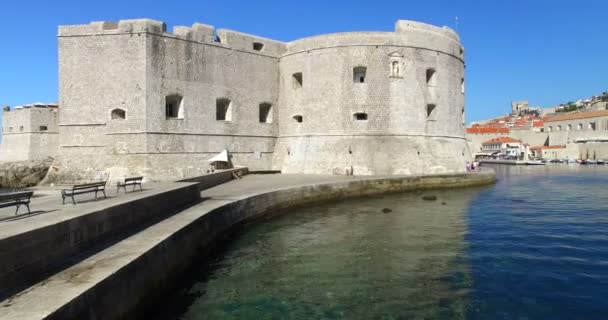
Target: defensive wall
{"points": [[139, 69], [118, 282], [373, 103], [138, 100], [29, 133]]}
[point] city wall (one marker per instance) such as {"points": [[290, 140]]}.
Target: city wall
{"points": [[29, 134], [136, 66], [373, 103]]}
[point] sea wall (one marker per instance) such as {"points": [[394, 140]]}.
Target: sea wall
{"points": [[27, 256], [138, 271]]}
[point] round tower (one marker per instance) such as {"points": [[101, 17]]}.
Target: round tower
{"points": [[373, 103]]}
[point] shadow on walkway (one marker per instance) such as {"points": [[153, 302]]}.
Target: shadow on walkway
{"points": [[25, 215]]}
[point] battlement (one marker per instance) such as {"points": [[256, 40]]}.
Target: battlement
{"points": [[406, 26], [198, 32], [31, 106]]}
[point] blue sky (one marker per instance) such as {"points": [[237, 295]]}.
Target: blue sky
{"points": [[543, 51]]}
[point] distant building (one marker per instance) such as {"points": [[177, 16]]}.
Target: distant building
{"points": [[503, 147], [30, 132]]}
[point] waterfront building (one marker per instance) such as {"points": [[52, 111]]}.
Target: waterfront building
{"points": [[136, 99], [504, 147], [29, 132]]}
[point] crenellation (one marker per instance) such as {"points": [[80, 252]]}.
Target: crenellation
{"points": [[163, 103], [142, 25], [104, 25], [242, 41]]}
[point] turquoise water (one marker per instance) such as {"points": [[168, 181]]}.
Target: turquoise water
{"points": [[533, 246]]}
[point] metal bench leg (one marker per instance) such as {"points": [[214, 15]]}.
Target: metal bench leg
{"points": [[96, 194], [104, 193], [62, 199], [140, 188], [27, 205], [16, 211], [74, 201]]}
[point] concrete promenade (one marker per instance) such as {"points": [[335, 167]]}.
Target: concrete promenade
{"points": [[47, 209], [116, 282]]}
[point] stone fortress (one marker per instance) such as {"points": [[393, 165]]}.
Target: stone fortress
{"points": [[135, 99]]}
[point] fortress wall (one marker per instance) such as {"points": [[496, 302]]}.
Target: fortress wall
{"points": [[407, 34], [394, 95], [101, 68], [202, 73], [23, 136], [136, 65]]}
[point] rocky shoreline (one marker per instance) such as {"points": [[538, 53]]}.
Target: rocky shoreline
{"points": [[23, 174]]}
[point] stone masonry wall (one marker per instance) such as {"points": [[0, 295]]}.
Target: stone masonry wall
{"points": [[412, 99], [29, 134]]}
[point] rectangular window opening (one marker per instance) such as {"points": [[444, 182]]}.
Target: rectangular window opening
{"points": [[359, 74], [360, 116], [265, 113], [297, 80], [173, 106], [431, 77], [223, 110], [430, 111]]}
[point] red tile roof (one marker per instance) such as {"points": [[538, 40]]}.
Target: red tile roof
{"points": [[538, 123], [501, 140], [478, 130]]}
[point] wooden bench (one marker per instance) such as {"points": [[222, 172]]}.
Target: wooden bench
{"points": [[84, 188], [16, 199], [133, 181]]}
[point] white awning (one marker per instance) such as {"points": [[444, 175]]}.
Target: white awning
{"points": [[221, 157]]}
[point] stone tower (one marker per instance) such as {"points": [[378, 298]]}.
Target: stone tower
{"points": [[136, 99]]}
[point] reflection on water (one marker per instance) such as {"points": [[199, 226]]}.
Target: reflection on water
{"points": [[342, 260], [533, 246]]}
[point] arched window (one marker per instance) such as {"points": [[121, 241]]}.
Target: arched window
{"points": [[118, 114], [462, 85], [569, 127], [579, 126], [265, 112], [549, 129], [558, 128], [359, 74], [298, 118], [173, 106], [223, 109]]}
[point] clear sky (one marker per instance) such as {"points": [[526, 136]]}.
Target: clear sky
{"points": [[544, 51]]}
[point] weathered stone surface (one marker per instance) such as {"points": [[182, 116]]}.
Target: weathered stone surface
{"points": [[22, 174], [403, 115]]}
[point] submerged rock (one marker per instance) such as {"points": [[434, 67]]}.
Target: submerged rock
{"points": [[429, 198], [387, 210], [23, 174]]}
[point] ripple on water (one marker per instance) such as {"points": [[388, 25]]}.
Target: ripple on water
{"points": [[534, 246]]}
